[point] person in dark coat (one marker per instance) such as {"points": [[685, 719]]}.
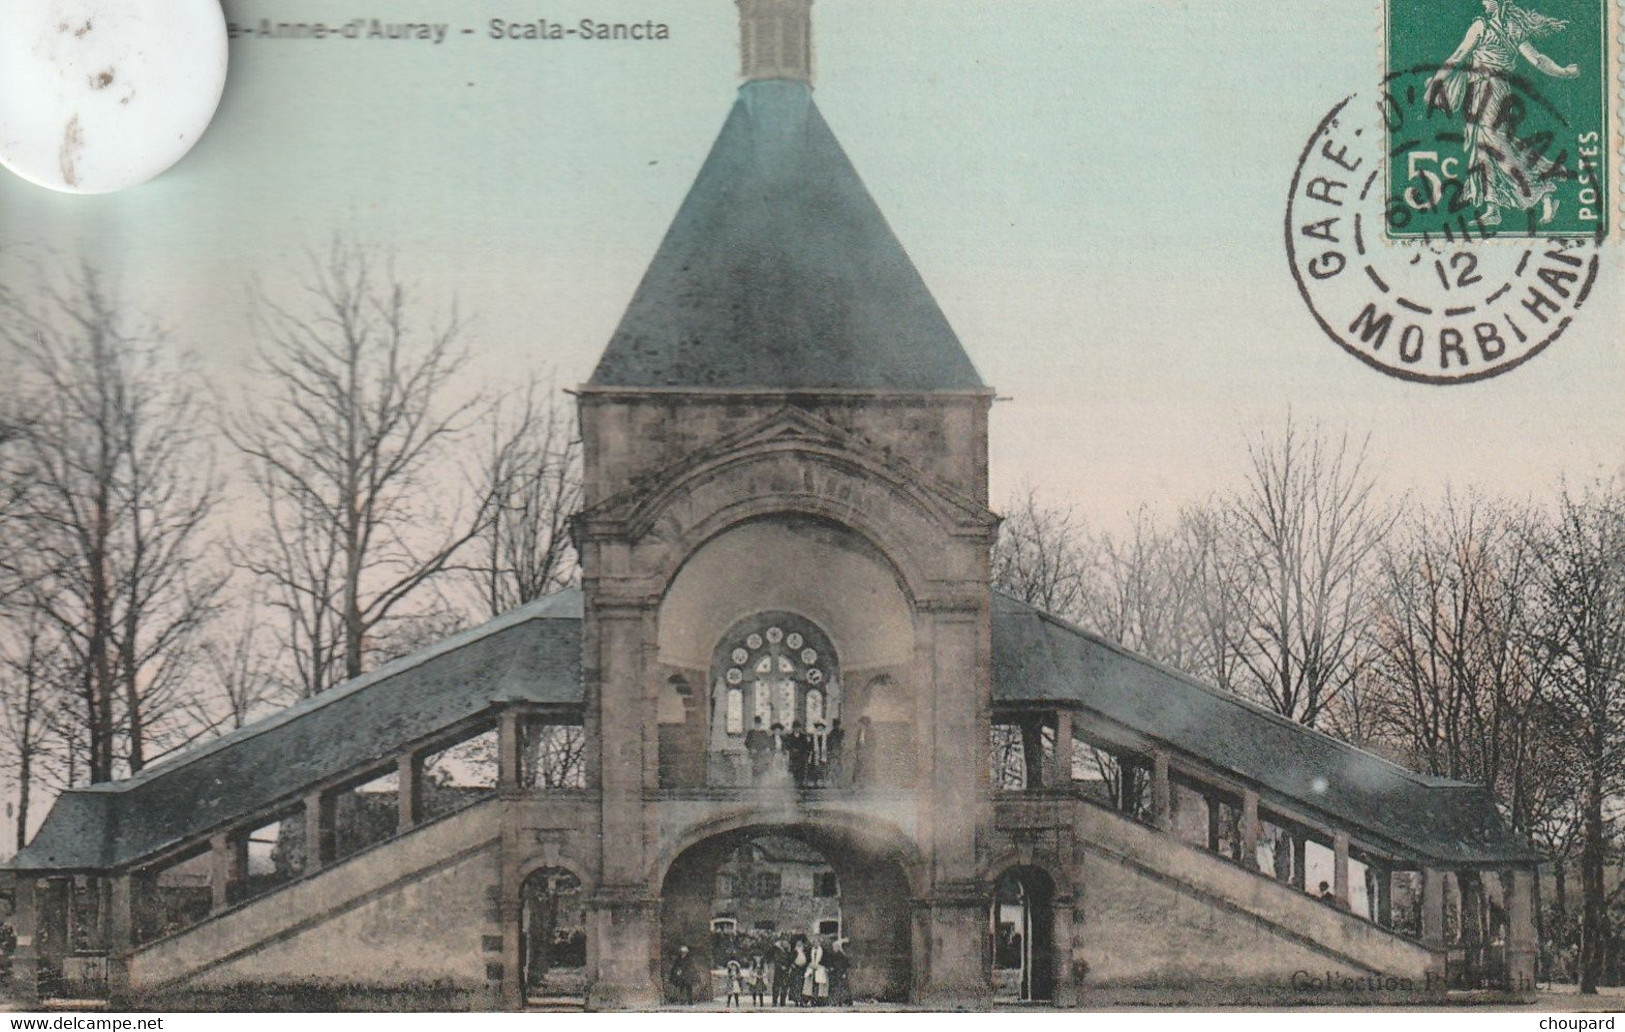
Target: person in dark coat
{"points": [[782, 957], [759, 744], [839, 963], [834, 744], [800, 746], [682, 977]]}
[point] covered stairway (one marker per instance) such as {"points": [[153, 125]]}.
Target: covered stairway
{"points": [[378, 834]]}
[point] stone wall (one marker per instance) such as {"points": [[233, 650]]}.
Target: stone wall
{"points": [[418, 911]]}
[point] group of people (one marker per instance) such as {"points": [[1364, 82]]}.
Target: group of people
{"points": [[793, 972], [810, 759]]}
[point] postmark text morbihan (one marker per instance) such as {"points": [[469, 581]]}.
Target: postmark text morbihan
{"points": [[1460, 303]]}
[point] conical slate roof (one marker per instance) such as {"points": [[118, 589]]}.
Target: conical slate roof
{"points": [[780, 272]]}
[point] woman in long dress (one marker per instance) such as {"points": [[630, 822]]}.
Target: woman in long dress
{"points": [[1501, 171]]}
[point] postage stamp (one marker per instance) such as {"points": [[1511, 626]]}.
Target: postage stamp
{"points": [[1512, 138]]}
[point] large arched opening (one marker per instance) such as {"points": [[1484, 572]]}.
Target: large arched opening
{"points": [[738, 894], [726, 625]]}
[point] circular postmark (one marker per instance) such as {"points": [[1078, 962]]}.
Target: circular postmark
{"points": [[1397, 249]]}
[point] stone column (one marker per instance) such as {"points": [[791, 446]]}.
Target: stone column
{"points": [[25, 962], [623, 914], [407, 773], [120, 933], [1213, 809], [1521, 941], [1471, 919], [1066, 991], [1249, 829], [1062, 777], [1300, 861], [318, 832], [1340, 868], [1162, 809], [1433, 925], [228, 862], [953, 646], [508, 749]]}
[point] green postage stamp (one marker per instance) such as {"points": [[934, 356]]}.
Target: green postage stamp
{"points": [[1497, 118]]}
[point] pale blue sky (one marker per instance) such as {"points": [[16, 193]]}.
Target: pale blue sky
{"points": [[1094, 190]]}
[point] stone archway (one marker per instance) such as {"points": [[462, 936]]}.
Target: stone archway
{"points": [[874, 904], [552, 933], [1021, 922]]}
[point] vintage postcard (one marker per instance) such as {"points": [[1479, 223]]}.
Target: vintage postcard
{"points": [[870, 504]]}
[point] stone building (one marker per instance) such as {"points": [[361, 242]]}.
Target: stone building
{"points": [[786, 515], [776, 885]]}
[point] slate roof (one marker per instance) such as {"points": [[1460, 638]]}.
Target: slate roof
{"points": [[1038, 658], [530, 654], [533, 654], [780, 272]]}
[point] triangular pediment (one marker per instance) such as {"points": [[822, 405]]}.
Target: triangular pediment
{"points": [[808, 434]]}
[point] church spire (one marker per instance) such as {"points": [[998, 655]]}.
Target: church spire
{"points": [[775, 40]]}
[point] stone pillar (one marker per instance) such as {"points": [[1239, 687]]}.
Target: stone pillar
{"points": [[1433, 908], [622, 925], [318, 832], [1249, 829], [1066, 990], [1521, 940], [508, 749], [623, 915], [953, 648], [1063, 750], [228, 863], [1340, 868], [1213, 809], [408, 771], [1471, 920], [120, 933], [25, 962], [959, 965], [1300, 861], [1162, 809]]}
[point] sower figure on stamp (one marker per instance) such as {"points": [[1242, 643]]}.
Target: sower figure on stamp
{"points": [[1502, 171]]}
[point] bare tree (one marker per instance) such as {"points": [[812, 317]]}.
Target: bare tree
{"points": [[31, 688], [1300, 542], [1147, 593], [1581, 621], [1042, 556], [532, 471], [350, 450], [117, 491], [243, 676], [1450, 636]]}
